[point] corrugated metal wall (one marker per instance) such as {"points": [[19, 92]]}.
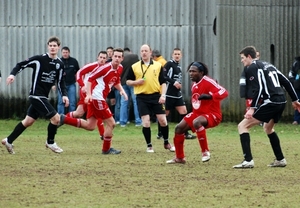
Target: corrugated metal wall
{"points": [[87, 26], [272, 26]]}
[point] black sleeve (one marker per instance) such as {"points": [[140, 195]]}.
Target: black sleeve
{"points": [[166, 71], [22, 65], [287, 86], [161, 77], [130, 74]]}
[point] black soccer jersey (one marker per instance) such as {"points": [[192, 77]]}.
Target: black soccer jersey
{"points": [[266, 83], [173, 73], [46, 73]]}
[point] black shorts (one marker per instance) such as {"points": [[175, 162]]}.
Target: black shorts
{"points": [[148, 104], [40, 107], [172, 103], [268, 111]]}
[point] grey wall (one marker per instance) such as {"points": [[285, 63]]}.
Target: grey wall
{"points": [[88, 26]]}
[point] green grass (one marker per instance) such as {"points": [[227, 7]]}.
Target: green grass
{"points": [[82, 177]]}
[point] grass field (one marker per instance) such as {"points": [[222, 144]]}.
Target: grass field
{"points": [[82, 177]]}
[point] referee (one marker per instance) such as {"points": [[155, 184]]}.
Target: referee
{"points": [[147, 78]]}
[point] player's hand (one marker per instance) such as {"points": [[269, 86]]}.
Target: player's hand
{"points": [[10, 79], [53, 88], [205, 97], [83, 89], [122, 93], [177, 85], [296, 105], [88, 99], [65, 100], [249, 113]]}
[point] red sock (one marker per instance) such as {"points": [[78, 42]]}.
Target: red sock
{"points": [[201, 134], [100, 127], [72, 121], [70, 114], [178, 143], [106, 144]]}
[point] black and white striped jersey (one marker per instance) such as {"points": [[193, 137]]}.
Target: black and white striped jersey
{"points": [[46, 73], [266, 83]]}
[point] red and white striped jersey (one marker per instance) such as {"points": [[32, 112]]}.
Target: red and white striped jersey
{"points": [[83, 74], [103, 79]]}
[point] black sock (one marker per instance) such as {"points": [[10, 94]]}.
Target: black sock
{"points": [[158, 129], [245, 142], [275, 143], [16, 132], [51, 133], [147, 135], [165, 133]]}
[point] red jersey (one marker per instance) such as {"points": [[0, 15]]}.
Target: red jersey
{"points": [[103, 79], [83, 73], [208, 86]]}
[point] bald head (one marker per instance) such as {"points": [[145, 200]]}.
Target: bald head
{"points": [[145, 53]]}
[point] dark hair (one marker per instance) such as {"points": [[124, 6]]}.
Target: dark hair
{"points": [[176, 49], [249, 50], [119, 50], [65, 48], [126, 49], [200, 66], [54, 39], [156, 53], [103, 52], [110, 47]]}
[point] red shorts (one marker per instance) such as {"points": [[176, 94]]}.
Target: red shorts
{"points": [[212, 120], [81, 100], [98, 109]]}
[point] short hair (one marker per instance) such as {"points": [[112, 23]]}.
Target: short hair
{"points": [[65, 48], [110, 47], [119, 50], [126, 49], [102, 52], [53, 39], [200, 66], [176, 49], [249, 50], [156, 53]]}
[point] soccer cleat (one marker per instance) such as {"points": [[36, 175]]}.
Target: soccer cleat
{"points": [[111, 151], [54, 147], [8, 146], [169, 147], [61, 120], [176, 160], [245, 164], [189, 136], [101, 137], [205, 156], [159, 136], [278, 163], [150, 150]]}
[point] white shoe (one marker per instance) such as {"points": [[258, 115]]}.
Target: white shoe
{"points": [[54, 147], [169, 147], [278, 163], [176, 160], [245, 164], [205, 156], [8, 146], [150, 150]]}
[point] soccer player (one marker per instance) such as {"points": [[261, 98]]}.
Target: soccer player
{"points": [[81, 77], [268, 103], [99, 84], [147, 78], [47, 71], [207, 95], [174, 99]]}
